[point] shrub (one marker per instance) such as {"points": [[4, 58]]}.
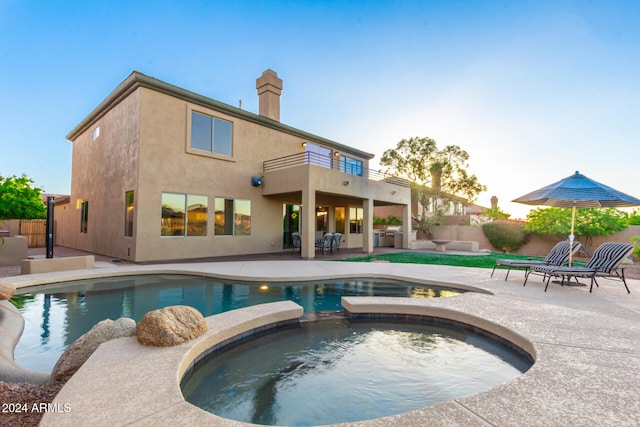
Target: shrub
{"points": [[636, 245], [390, 220], [505, 236], [590, 222]]}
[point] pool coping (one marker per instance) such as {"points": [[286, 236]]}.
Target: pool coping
{"points": [[584, 344]]}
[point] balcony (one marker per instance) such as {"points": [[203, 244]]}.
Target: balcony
{"points": [[329, 162]]}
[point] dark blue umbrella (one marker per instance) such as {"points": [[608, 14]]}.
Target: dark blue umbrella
{"points": [[578, 191]]}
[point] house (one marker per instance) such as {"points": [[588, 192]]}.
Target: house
{"points": [[162, 173]]}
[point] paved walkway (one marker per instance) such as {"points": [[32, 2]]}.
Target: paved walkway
{"points": [[585, 345]]}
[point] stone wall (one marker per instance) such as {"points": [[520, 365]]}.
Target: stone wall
{"points": [[537, 245]]}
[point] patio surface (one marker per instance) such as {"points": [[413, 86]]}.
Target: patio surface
{"points": [[585, 347]]}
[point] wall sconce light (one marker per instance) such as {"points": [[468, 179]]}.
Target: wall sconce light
{"points": [[336, 154], [304, 144], [393, 191], [345, 183], [256, 181]]}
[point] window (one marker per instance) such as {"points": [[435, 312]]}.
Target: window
{"points": [[317, 155], [174, 220], [351, 166], [232, 217], [211, 134], [128, 214], [355, 220], [84, 216], [340, 220]]}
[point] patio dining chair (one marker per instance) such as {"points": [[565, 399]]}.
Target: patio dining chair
{"points": [[335, 243], [559, 255], [325, 243], [296, 241], [605, 262]]}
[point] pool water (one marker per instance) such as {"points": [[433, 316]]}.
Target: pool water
{"points": [[57, 315], [340, 371]]}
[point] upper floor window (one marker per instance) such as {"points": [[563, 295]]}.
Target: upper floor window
{"points": [[211, 134], [351, 166], [318, 155]]}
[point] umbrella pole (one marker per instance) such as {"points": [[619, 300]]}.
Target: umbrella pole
{"points": [[573, 221]]}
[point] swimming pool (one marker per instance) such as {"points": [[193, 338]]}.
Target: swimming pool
{"points": [[336, 371], [56, 315]]}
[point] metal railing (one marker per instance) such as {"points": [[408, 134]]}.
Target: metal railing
{"points": [[330, 162]]}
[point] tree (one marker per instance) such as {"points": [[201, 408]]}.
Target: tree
{"points": [[20, 199], [589, 223], [439, 175]]}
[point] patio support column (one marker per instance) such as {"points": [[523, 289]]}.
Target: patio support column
{"points": [[308, 223], [367, 226], [406, 226]]}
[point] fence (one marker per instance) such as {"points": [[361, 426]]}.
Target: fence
{"points": [[36, 231]]}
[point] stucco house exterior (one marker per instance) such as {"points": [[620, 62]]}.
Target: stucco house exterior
{"points": [[163, 173]]}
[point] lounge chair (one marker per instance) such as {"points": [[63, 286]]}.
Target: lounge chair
{"points": [[605, 263], [325, 243], [296, 241], [559, 255]]}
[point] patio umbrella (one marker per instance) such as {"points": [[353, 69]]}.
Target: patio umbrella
{"points": [[578, 191]]}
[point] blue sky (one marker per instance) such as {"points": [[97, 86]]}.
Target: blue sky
{"points": [[532, 90]]}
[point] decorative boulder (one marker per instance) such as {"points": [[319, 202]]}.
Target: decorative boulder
{"points": [[170, 326], [78, 352], [6, 291]]}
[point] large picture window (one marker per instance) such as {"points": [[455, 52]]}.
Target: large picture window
{"points": [[211, 134], [174, 220], [232, 217]]}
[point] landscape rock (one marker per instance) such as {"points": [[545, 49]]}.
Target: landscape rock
{"points": [[170, 326], [6, 291], [78, 352]]}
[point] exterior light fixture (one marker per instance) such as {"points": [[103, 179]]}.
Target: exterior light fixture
{"points": [[256, 181], [345, 183], [304, 144]]}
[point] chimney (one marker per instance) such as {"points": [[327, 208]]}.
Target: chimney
{"points": [[269, 89], [494, 202]]}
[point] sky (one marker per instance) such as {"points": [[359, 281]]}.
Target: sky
{"points": [[532, 90]]}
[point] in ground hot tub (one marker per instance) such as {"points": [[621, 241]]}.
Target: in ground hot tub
{"points": [[341, 370]]}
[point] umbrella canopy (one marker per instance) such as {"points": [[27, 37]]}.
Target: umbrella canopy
{"points": [[578, 191]]}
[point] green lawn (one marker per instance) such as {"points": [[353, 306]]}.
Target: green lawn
{"points": [[478, 261]]}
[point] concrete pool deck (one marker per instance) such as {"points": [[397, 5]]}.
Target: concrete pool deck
{"points": [[585, 345]]}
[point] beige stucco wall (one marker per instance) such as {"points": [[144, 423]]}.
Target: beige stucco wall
{"points": [[144, 146], [536, 246], [102, 171]]}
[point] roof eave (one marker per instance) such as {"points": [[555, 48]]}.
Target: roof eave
{"points": [[136, 80]]}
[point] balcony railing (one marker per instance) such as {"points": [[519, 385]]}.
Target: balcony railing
{"points": [[330, 162]]}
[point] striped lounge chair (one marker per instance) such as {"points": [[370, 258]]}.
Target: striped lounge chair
{"points": [[605, 262], [559, 255]]}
